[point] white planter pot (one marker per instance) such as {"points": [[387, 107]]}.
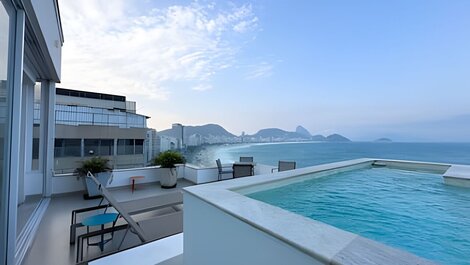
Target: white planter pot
{"points": [[91, 186], [168, 177]]}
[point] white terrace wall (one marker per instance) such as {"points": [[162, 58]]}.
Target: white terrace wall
{"points": [[64, 183]]}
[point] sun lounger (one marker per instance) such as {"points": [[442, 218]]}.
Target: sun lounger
{"points": [[131, 207], [146, 228]]}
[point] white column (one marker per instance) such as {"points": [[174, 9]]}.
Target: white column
{"points": [[49, 134]]}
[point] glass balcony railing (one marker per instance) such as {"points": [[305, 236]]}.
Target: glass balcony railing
{"points": [[80, 115]]}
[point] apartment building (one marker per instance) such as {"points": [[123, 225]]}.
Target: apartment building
{"points": [[91, 124]]}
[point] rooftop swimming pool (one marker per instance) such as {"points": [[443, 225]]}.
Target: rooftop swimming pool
{"points": [[409, 210]]}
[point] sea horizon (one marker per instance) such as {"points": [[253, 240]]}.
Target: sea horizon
{"points": [[309, 153]]}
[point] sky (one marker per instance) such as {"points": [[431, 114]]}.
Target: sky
{"points": [[364, 69]]}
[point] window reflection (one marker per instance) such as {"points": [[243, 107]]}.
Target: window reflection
{"points": [[4, 125], [36, 127], [4, 37]]}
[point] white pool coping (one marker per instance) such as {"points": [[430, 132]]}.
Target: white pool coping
{"points": [[323, 242]]}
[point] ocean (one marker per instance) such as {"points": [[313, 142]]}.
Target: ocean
{"points": [[315, 153]]}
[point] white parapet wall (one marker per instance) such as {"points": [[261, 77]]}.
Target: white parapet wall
{"points": [[64, 183]]}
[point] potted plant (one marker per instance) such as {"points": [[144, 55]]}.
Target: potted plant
{"points": [[98, 166], [167, 161]]}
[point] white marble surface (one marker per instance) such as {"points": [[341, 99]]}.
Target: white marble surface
{"points": [[458, 171], [323, 242]]}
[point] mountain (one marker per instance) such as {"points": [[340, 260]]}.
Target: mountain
{"points": [[337, 138], [318, 137], [213, 133], [302, 131], [208, 129], [203, 130], [277, 133], [383, 140]]}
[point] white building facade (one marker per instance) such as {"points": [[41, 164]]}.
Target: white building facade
{"points": [[97, 124]]}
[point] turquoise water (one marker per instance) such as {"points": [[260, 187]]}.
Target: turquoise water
{"points": [[308, 154], [412, 211]]}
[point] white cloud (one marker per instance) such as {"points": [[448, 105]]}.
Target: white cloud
{"points": [[116, 48], [246, 25], [202, 87], [260, 70]]}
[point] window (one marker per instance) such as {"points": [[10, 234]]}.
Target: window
{"points": [[125, 146], [99, 147], [6, 24], [35, 149], [130, 147], [106, 147], [139, 146], [67, 147], [36, 126], [91, 147]]}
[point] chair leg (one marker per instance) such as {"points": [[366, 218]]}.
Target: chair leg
{"points": [[78, 251], [122, 241], [102, 239], [81, 251], [72, 234]]}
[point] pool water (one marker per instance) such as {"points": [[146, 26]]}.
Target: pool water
{"points": [[412, 211]]}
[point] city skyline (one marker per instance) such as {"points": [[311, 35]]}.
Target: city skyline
{"points": [[362, 69]]}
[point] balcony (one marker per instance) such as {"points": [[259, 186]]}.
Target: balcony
{"points": [[51, 244]]}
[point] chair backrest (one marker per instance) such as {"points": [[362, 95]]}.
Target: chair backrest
{"points": [[242, 170], [219, 165], [286, 165], [107, 195], [248, 159]]}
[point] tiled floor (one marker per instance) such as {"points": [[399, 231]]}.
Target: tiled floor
{"points": [[51, 245]]}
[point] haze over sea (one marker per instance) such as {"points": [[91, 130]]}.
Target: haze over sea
{"points": [[315, 153]]}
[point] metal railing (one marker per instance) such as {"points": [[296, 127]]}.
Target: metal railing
{"points": [[79, 115], [123, 120]]}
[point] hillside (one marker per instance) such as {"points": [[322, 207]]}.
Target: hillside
{"points": [[203, 130], [337, 138], [208, 129], [264, 135], [383, 140], [278, 133], [318, 137], [302, 131]]}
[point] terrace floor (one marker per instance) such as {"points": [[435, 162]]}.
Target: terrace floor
{"points": [[51, 245]]}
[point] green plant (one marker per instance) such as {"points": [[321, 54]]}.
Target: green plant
{"points": [[168, 159], [94, 165]]}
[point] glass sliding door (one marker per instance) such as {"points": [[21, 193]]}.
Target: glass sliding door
{"points": [[30, 179], [6, 37]]}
